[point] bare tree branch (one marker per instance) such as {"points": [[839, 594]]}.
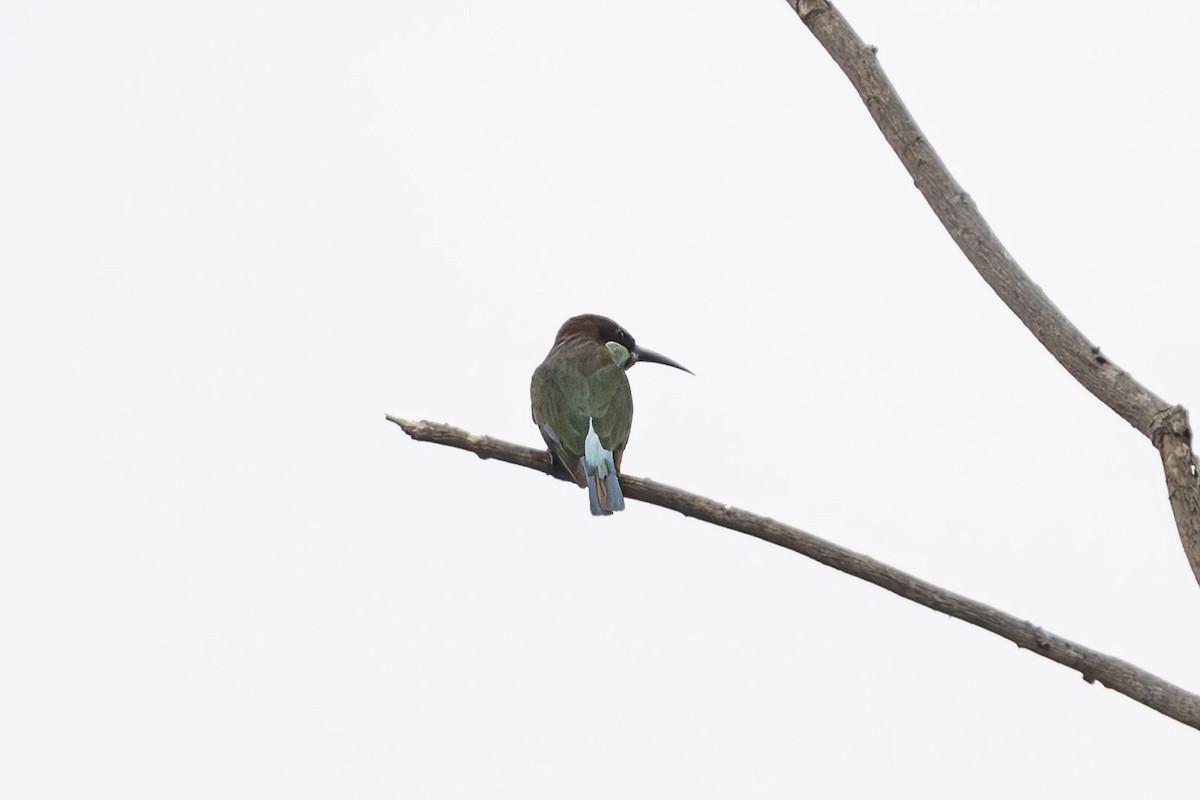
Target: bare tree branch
{"points": [[1118, 675], [1164, 424]]}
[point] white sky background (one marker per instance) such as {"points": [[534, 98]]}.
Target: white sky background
{"points": [[235, 235]]}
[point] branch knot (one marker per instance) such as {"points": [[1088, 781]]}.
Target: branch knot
{"points": [[1173, 422]]}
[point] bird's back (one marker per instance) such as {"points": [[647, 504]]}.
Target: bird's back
{"points": [[579, 381]]}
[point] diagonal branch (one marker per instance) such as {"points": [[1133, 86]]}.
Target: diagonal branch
{"points": [[1164, 424], [1118, 675]]}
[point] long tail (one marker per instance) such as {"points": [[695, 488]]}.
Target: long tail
{"points": [[604, 490]]}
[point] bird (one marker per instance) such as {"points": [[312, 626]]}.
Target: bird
{"points": [[583, 407]]}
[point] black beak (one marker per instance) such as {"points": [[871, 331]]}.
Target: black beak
{"points": [[642, 354]]}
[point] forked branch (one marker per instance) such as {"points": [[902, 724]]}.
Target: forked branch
{"points": [[1164, 424], [1118, 675]]}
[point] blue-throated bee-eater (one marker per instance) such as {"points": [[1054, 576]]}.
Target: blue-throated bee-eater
{"points": [[583, 407]]}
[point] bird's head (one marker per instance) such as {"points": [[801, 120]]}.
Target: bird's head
{"points": [[620, 344]]}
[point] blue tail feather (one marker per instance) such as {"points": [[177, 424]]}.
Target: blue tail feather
{"points": [[604, 490], [594, 495], [613, 495]]}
